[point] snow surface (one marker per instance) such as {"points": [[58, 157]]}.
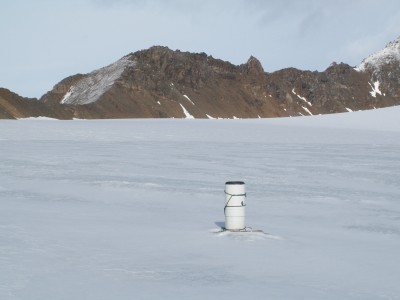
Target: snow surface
{"points": [[93, 85], [128, 209]]}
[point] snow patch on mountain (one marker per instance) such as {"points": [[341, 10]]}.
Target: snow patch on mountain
{"points": [[93, 85], [307, 110], [391, 53], [188, 99], [40, 118], [187, 114], [375, 89], [67, 95], [301, 98]]}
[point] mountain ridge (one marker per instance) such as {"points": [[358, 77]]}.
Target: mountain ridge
{"points": [[162, 83]]}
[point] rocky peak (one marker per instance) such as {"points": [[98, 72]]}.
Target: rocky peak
{"points": [[252, 67], [338, 68], [394, 43], [389, 55], [160, 82], [383, 68], [155, 54], [194, 70]]}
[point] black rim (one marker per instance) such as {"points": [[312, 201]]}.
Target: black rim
{"points": [[234, 182]]}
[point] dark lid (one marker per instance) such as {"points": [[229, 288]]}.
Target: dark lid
{"points": [[234, 182]]}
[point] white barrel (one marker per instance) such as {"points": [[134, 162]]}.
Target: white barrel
{"points": [[235, 205]]}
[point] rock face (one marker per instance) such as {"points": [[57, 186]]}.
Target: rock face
{"points": [[384, 67], [161, 83], [14, 106]]}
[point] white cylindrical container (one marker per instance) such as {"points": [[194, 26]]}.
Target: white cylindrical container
{"points": [[235, 205]]}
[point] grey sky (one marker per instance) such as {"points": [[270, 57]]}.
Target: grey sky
{"points": [[43, 41]]}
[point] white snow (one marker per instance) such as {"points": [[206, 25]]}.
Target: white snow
{"points": [[301, 98], [96, 83], [67, 95], [307, 110], [391, 53], [375, 89], [187, 114], [348, 109], [127, 209], [208, 116], [37, 118], [188, 99], [158, 102]]}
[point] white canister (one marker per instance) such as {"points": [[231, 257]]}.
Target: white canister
{"points": [[235, 205]]}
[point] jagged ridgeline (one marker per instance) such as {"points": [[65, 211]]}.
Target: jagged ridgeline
{"points": [[162, 83]]}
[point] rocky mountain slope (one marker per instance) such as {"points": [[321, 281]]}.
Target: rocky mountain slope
{"points": [[14, 106], [161, 83]]}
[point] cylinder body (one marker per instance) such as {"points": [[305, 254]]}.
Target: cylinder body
{"points": [[235, 205]]}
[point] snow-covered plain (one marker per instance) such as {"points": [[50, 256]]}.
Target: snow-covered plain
{"points": [[126, 209]]}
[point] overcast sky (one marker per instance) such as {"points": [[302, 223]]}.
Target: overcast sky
{"points": [[43, 42]]}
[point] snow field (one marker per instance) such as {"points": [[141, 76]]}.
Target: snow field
{"points": [[122, 209]]}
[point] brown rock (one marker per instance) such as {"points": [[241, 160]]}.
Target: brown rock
{"points": [[161, 83]]}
